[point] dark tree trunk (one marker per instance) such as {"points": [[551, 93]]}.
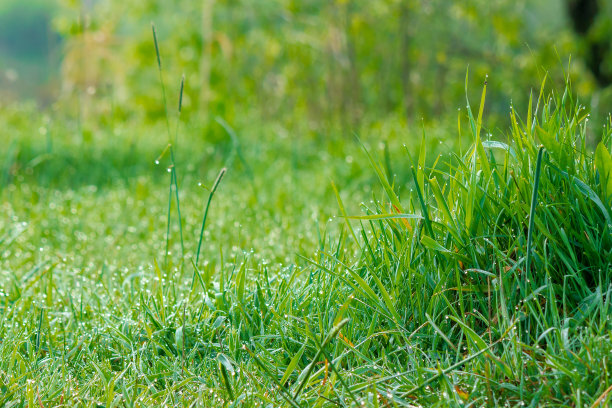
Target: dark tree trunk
{"points": [[583, 14]]}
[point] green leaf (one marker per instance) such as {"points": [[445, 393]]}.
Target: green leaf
{"points": [[603, 164], [534, 203], [552, 145], [241, 282], [493, 144], [484, 160], [293, 364], [422, 201], [431, 243], [586, 190], [440, 332], [343, 309], [382, 216], [225, 365], [443, 206], [179, 339], [222, 358]]}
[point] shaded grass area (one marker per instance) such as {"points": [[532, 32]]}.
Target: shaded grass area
{"points": [[470, 277]]}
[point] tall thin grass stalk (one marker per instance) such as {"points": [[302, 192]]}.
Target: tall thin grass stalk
{"points": [[173, 176], [176, 188]]}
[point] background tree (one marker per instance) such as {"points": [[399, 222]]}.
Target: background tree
{"points": [[592, 21], [340, 64]]}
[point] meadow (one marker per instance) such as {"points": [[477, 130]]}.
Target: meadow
{"points": [[156, 253]]}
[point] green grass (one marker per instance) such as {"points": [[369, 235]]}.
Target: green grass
{"points": [[428, 274]]}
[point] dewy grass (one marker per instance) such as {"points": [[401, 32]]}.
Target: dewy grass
{"points": [[418, 301]]}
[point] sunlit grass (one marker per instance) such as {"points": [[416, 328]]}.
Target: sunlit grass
{"points": [[479, 276]]}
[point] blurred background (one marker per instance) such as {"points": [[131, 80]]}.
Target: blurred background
{"points": [[334, 65], [266, 80]]}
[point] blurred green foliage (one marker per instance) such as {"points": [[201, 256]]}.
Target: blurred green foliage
{"points": [[331, 64], [279, 69]]}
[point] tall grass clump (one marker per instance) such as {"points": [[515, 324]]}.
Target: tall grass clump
{"points": [[487, 284], [497, 265]]}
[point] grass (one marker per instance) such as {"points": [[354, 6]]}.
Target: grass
{"points": [[457, 276]]}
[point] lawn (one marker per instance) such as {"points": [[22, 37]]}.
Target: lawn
{"points": [[363, 273], [251, 250]]}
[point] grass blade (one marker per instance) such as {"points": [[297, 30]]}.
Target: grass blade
{"points": [[210, 196], [532, 210]]}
